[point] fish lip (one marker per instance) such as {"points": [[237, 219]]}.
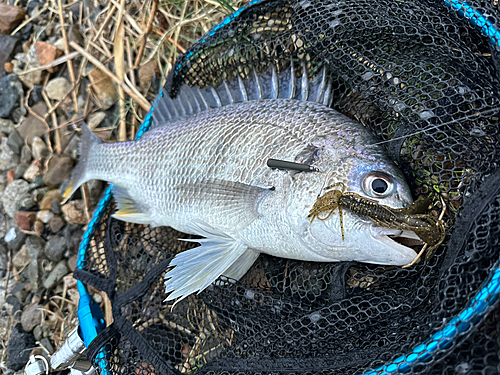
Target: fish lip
{"points": [[387, 235]]}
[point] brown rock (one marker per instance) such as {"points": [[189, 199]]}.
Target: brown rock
{"points": [[25, 219], [147, 71], [48, 197], [74, 212], [38, 228], [31, 126], [11, 175], [8, 67], [10, 18], [59, 170], [104, 88], [47, 53], [56, 224]]}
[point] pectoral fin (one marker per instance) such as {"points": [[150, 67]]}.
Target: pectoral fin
{"points": [[236, 200], [128, 209], [197, 268]]}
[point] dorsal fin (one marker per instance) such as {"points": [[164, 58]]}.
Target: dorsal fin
{"points": [[266, 85]]}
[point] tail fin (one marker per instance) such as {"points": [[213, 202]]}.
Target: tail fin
{"points": [[79, 174]]}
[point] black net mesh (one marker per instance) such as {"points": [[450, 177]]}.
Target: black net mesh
{"points": [[425, 79]]}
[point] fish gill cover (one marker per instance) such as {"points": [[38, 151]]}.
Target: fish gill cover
{"points": [[423, 76]]}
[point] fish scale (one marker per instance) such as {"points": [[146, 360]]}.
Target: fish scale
{"points": [[206, 174]]}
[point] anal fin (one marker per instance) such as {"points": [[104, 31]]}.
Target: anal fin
{"points": [[197, 268], [128, 209]]}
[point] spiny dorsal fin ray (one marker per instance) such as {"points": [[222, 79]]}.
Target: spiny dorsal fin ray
{"points": [[265, 85]]}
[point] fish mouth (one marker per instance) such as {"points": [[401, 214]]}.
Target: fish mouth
{"points": [[402, 241]]}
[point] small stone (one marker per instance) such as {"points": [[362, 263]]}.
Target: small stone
{"points": [[73, 235], [147, 71], [57, 88], [104, 88], [31, 126], [8, 159], [19, 171], [38, 333], [16, 305], [72, 263], [21, 258], [35, 246], [20, 291], [15, 239], [96, 119], [74, 212], [55, 206], [31, 317], [15, 142], [38, 228], [8, 67], [18, 348], [11, 175], [37, 182], [56, 224], [13, 196], [8, 45], [97, 298], [39, 193], [25, 219], [31, 172], [55, 248], [45, 203], [44, 216], [56, 275], [6, 125], [26, 204], [36, 95], [25, 154], [10, 18], [46, 54], [3, 260], [40, 149], [9, 94], [45, 342], [59, 170]]}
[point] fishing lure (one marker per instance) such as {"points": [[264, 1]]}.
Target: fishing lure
{"points": [[427, 227]]}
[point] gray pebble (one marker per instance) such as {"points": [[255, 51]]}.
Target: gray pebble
{"points": [[38, 333], [27, 203], [15, 142], [55, 248], [56, 275], [15, 239], [25, 154], [55, 206], [14, 193], [31, 317], [19, 171]]}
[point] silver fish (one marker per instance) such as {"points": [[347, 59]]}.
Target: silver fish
{"points": [[206, 174]]}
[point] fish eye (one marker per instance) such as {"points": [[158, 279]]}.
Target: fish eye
{"points": [[378, 184]]}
